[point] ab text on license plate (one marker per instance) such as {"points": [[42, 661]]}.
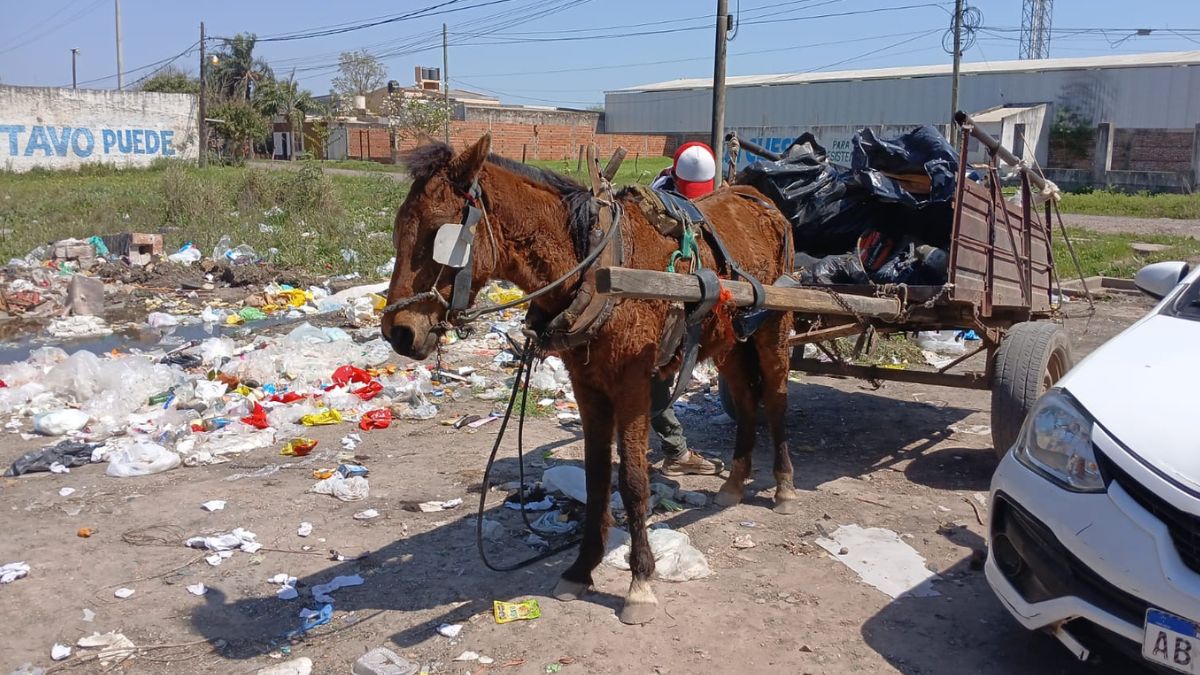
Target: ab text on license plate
{"points": [[1171, 641]]}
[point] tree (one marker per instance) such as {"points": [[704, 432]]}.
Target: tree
{"points": [[172, 80], [286, 98], [412, 116], [359, 73], [238, 71], [241, 124]]}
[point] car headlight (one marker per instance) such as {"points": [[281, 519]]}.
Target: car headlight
{"points": [[1056, 441]]}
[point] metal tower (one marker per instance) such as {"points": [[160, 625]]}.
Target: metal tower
{"points": [[1035, 29]]}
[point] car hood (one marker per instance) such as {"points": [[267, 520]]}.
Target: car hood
{"points": [[1141, 386]]}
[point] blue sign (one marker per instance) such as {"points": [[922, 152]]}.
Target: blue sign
{"points": [[49, 141]]}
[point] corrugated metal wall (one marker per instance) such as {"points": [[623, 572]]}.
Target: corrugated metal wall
{"points": [[1166, 97]]}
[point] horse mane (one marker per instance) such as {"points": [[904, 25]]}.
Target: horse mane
{"points": [[426, 160]]}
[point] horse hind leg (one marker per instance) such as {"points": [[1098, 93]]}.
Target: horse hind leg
{"points": [[774, 365], [597, 413], [740, 374]]}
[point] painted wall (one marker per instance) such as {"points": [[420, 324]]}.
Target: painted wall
{"points": [[64, 129]]}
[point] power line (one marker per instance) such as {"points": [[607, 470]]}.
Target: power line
{"points": [[432, 10], [161, 62], [37, 35]]}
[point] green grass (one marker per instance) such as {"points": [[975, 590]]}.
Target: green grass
{"points": [[1110, 255], [317, 216], [633, 169], [1140, 205], [361, 165]]}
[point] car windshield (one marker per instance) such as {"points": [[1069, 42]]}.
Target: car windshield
{"points": [[1187, 306]]}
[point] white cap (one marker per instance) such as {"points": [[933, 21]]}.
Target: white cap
{"points": [[696, 163]]}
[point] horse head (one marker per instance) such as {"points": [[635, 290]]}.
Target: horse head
{"points": [[443, 191]]}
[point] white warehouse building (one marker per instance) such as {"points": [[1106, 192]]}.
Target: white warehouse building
{"points": [[1158, 91]]}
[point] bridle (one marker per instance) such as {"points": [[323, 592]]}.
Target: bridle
{"points": [[458, 311]]}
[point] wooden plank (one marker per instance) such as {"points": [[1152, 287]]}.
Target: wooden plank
{"points": [[651, 285], [969, 380]]}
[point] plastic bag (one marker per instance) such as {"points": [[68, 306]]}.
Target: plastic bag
{"points": [[186, 255], [351, 489], [346, 374], [376, 419], [140, 458], [161, 320], [944, 342], [323, 418], [298, 447], [257, 419], [67, 453], [222, 249], [60, 422], [569, 480], [675, 559]]}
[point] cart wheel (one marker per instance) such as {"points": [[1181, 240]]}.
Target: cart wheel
{"points": [[1031, 358]]}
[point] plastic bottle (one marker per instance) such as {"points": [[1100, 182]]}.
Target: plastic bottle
{"points": [[214, 423], [222, 249]]}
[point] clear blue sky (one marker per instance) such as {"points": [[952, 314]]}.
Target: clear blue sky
{"points": [[503, 47]]}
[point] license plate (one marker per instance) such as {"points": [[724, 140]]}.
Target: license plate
{"points": [[1171, 641]]}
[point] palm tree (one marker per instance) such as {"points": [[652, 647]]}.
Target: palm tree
{"points": [[238, 71], [286, 98]]}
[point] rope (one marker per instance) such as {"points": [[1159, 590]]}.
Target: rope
{"points": [[524, 369]]}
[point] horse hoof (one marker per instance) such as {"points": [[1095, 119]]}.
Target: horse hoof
{"points": [[570, 591], [726, 499], [786, 507], [640, 605]]}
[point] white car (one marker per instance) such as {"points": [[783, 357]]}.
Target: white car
{"points": [[1095, 512]]}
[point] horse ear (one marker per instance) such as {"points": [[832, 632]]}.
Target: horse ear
{"points": [[465, 167]]}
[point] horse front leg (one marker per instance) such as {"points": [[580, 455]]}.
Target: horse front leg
{"points": [[596, 412], [633, 419]]}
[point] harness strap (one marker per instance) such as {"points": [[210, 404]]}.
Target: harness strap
{"points": [[710, 293]]}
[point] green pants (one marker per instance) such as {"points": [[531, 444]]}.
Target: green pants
{"points": [[666, 424]]}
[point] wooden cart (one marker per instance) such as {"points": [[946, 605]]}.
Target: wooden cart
{"points": [[1002, 284]]}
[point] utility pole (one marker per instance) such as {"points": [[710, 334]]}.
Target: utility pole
{"points": [[202, 124], [958, 18], [74, 53], [446, 79], [718, 91], [120, 55]]}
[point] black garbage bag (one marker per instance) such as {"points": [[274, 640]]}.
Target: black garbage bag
{"points": [[68, 453], [831, 206], [913, 265], [834, 269]]}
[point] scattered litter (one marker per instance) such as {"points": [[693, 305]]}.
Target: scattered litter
{"points": [[60, 422], [124, 593], [493, 530], [675, 559], [59, 652], [300, 666], [321, 591], [434, 507], [197, 589], [554, 522], [287, 587], [748, 523], [298, 447], [88, 615], [467, 656], [450, 630], [516, 611], [743, 541], [66, 492], [68, 453], [383, 661], [304, 530], [971, 429], [569, 480], [213, 505], [366, 515], [239, 539], [543, 504], [351, 489], [112, 645], [314, 617], [85, 532], [881, 559], [140, 458]]}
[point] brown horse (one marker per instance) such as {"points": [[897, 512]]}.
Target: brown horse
{"points": [[536, 230]]}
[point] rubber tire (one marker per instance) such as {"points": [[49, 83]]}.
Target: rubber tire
{"points": [[1032, 356]]}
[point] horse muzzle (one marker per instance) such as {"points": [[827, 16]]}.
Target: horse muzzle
{"points": [[405, 341]]}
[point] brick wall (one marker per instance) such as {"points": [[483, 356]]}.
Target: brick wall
{"points": [[1152, 150], [535, 141]]}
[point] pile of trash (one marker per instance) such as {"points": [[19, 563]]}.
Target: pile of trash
{"points": [[886, 218], [206, 401]]}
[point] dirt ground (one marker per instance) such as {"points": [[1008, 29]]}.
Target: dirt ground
{"points": [[905, 457]]}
